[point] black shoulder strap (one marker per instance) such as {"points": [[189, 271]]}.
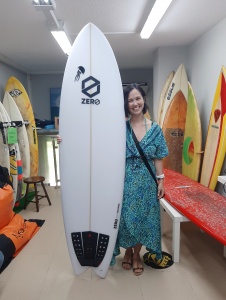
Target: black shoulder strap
{"points": [[141, 153]]}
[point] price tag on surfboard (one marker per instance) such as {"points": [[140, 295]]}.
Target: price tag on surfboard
{"points": [[12, 135]]}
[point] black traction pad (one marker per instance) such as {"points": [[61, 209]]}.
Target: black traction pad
{"points": [[90, 247]]}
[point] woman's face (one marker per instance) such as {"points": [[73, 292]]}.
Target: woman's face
{"points": [[135, 102]]}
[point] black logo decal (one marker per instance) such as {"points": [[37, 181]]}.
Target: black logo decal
{"points": [[90, 101], [15, 93], [80, 71], [170, 91], [115, 223], [89, 84], [177, 133]]}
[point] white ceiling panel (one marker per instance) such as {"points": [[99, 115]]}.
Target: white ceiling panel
{"points": [[26, 41]]}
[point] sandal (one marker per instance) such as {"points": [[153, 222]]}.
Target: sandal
{"points": [[127, 261], [138, 270]]}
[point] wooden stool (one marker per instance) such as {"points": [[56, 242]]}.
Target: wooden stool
{"points": [[34, 180]]}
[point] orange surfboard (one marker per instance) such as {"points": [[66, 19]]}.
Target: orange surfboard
{"points": [[173, 130], [178, 83]]}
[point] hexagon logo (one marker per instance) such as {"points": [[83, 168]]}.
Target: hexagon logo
{"points": [[89, 84]]}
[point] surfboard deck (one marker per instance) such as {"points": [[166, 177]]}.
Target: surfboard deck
{"points": [[20, 96], [163, 96], [215, 146], [204, 207], [192, 145], [92, 151], [4, 149], [178, 83], [173, 130], [15, 116], [13, 158]]}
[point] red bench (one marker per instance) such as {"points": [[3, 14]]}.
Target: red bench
{"points": [[188, 200]]}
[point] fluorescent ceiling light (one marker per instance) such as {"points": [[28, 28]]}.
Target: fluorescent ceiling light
{"points": [[154, 17], [62, 40], [56, 26], [44, 4]]}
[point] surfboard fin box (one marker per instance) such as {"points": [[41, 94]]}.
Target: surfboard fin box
{"points": [[90, 247]]}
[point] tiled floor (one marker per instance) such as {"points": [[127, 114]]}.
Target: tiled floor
{"points": [[42, 271]]}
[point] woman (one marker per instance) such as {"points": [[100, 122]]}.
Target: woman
{"points": [[140, 215]]}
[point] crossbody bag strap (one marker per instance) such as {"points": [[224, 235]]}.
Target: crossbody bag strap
{"points": [[142, 153]]}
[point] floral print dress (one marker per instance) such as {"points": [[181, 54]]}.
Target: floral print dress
{"points": [[140, 215]]}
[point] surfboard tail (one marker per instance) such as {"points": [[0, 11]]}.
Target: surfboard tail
{"points": [[90, 247]]}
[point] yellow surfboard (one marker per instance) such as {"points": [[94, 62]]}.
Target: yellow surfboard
{"points": [[215, 142], [222, 143], [192, 145], [19, 94]]}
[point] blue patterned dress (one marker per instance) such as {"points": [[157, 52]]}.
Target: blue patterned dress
{"points": [[140, 215]]}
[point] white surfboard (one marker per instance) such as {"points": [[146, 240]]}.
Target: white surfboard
{"points": [[163, 95], [13, 170], [178, 83], [4, 149], [92, 151], [16, 117]]}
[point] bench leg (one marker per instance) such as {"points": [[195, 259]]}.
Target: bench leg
{"points": [[176, 241], [162, 212]]}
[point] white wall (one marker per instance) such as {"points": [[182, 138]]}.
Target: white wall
{"points": [[203, 60], [206, 57], [41, 85]]}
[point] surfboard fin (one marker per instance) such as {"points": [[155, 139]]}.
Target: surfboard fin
{"points": [[90, 247]]}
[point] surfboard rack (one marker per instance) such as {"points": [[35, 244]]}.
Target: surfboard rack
{"points": [[18, 123], [4, 125], [90, 247], [26, 122]]}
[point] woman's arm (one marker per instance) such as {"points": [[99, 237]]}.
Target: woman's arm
{"points": [[59, 139], [159, 171]]}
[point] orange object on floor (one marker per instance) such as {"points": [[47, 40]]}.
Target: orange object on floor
{"points": [[6, 204]]}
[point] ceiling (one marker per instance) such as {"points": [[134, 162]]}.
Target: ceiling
{"points": [[27, 44]]}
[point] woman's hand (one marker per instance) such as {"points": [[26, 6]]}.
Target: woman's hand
{"points": [[59, 139], [161, 190]]}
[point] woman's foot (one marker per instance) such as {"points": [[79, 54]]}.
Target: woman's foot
{"points": [[137, 266], [127, 260]]}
